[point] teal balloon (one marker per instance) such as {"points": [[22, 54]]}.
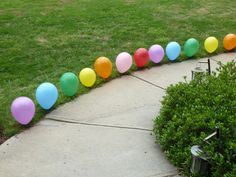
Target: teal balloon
{"points": [[46, 95], [69, 83], [191, 47]]}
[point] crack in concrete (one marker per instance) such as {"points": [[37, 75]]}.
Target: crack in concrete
{"points": [[99, 125]]}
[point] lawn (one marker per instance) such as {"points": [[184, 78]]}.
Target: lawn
{"points": [[40, 40]]}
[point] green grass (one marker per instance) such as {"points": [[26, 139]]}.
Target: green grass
{"points": [[40, 40]]}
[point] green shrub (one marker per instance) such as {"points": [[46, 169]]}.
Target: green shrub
{"points": [[190, 112]]}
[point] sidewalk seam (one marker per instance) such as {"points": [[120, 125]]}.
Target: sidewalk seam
{"points": [[139, 78], [98, 125], [169, 173]]}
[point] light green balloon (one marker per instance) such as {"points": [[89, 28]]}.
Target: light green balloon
{"points": [[69, 83], [191, 47]]}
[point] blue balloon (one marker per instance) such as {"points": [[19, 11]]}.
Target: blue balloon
{"points": [[173, 50], [46, 95]]}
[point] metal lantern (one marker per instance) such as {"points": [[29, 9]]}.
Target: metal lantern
{"points": [[199, 68], [200, 164], [200, 159]]}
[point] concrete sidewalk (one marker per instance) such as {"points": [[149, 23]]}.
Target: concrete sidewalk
{"points": [[105, 133]]}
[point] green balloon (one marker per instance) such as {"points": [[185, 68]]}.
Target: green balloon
{"points": [[69, 83], [191, 47]]}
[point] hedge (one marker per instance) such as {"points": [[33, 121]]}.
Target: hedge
{"points": [[191, 110]]}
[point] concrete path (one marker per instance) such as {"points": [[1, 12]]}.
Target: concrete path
{"points": [[105, 133]]}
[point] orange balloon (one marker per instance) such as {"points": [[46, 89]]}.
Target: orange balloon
{"points": [[229, 41], [103, 67]]}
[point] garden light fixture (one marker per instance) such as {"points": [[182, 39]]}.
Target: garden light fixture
{"points": [[200, 159]]}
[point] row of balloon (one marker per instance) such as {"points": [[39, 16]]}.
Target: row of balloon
{"points": [[23, 108]]}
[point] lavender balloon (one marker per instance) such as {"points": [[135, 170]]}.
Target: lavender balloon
{"points": [[23, 110], [156, 53]]}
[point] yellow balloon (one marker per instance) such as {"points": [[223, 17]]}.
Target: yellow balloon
{"points": [[87, 77], [211, 44]]}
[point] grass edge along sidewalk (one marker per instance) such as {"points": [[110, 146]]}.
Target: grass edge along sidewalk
{"points": [[26, 47]]}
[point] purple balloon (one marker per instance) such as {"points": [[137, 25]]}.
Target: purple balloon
{"points": [[23, 110], [156, 53]]}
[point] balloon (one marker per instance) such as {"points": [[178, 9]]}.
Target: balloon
{"points": [[23, 110], [191, 47], [173, 50], [46, 95], [69, 83], [229, 41], [156, 53], [211, 44], [141, 57], [123, 62], [87, 77], [103, 67]]}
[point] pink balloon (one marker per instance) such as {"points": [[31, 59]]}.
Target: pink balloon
{"points": [[23, 110], [123, 62], [156, 53]]}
